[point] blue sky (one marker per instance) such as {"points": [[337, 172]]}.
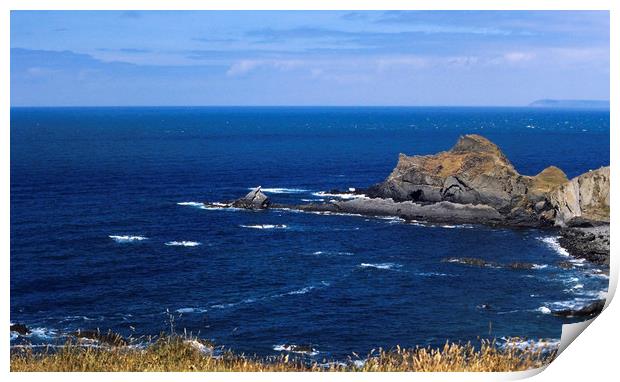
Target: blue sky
{"points": [[418, 58]]}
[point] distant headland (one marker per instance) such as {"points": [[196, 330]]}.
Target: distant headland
{"points": [[571, 103]]}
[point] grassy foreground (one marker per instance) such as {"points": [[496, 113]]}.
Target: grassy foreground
{"points": [[180, 354]]}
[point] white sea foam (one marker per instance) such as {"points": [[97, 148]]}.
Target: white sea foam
{"points": [[385, 266], [313, 200], [190, 310], [539, 266], [543, 345], [281, 190], [193, 204], [431, 274], [265, 226], [127, 238], [210, 206], [308, 350], [199, 346], [544, 310], [332, 253], [345, 195], [183, 243], [251, 300], [553, 243]]}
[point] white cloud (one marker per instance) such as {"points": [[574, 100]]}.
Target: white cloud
{"points": [[243, 67]]}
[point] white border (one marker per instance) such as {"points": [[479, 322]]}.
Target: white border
{"points": [[591, 357]]}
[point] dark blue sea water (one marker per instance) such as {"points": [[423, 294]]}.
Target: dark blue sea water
{"points": [[261, 279]]}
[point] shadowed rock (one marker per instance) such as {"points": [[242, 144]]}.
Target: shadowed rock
{"points": [[20, 329], [254, 200], [592, 309]]}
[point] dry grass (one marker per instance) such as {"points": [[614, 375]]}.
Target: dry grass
{"points": [[176, 353]]}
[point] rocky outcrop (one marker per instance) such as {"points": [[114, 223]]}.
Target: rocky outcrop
{"points": [[254, 200], [590, 243], [474, 172], [20, 329], [582, 199], [442, 212], [589, 310]]}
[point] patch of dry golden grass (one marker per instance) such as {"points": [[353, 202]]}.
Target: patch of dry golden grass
{"points": [[176, 353]]}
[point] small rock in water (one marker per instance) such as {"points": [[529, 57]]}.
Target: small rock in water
{"points": [[20, 329], [519, 265], [254, 200]]}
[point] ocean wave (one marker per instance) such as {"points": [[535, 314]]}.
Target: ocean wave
{"points": [[299, 349], [329, 213], [539, 266], [553, 243], [384, 266], [183, 243], [191, 310], [391, 219], [282, 190], [251, 300], [543, 345], [344, 195], [193, 204], [126, 238], [313, 200], [265, 226], [432, 274], [211, 206], [332, 253], [544, 310]]}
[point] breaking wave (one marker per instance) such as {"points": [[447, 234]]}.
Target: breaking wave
{"points": [[265, 226], [126, 238], [384, 266], [183, 243], [553, 243], [282, 190]]}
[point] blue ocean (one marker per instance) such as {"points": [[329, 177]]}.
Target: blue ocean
{"points": [[108, 230]]}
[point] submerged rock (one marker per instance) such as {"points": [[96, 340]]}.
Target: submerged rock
{"points": [[254, 200], [472, 261], [520, 265]]}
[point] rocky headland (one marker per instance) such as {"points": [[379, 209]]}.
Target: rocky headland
{"points": [[475, 183]]}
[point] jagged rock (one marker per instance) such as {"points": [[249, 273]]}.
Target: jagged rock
{"points": [[20, 329], [590, 243], [584, 198], [592, 309], [476, 172], [254, 200]]}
